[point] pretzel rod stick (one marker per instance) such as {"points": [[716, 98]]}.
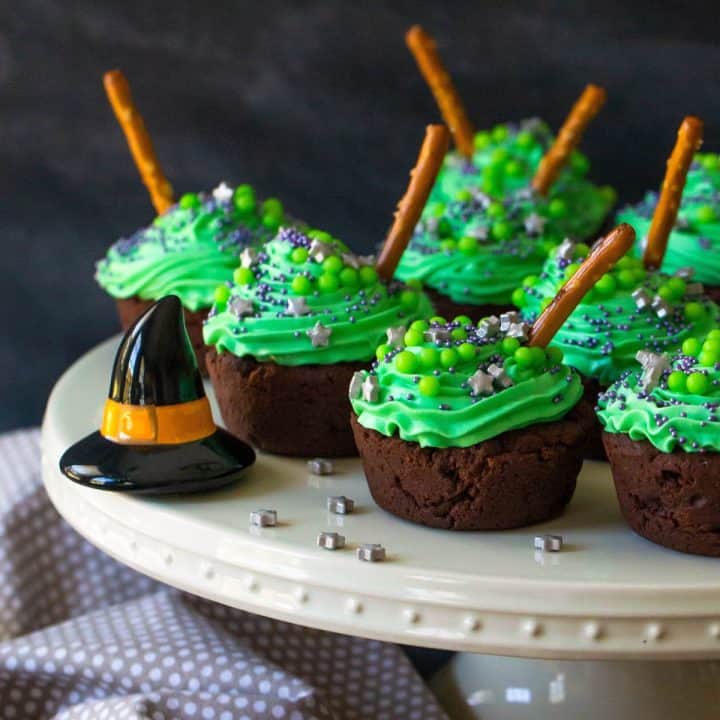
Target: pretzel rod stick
{"points": [[422, 177], [583, 111], [118, 92], [603, 256], [689, 140], [424, 50]]}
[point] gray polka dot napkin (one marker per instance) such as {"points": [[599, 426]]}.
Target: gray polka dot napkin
{"points": [[85, 638]]}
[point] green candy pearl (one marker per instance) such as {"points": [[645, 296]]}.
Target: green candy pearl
{"points": [[466, 351], [557, 208], [708, 358], [523, 357], [368, 276], [189, 201], [448, 358], [328, 283], [458, 334], [349, 277], [421, 325], [676, 381], [519, 298], [694, 311], [301, 285], [413, 338], [332, 264], [462, 320], [509, 345], [382, 351], [299, 255], [406, 362], [502, 230], [467, 245], [409, 299], [606, 285], [243, 276], [698, 383], [481, 140], [429, 358], [429, 386], [555, 354], [221, 294], [495, 210], [525, 140], [705, 214], [691, 346]]}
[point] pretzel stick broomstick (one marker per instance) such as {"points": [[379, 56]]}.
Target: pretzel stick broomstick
{"points": [[603, 256], [689, 140], [424, 50], [583, 111], [141, 148], [422, 177]]}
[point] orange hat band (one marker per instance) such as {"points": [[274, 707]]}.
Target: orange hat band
{"points": [[157, 424]]}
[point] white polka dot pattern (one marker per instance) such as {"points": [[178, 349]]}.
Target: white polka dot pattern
{"points": [[88, 639]]}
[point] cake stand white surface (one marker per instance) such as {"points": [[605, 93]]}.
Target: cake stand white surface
{"points": [[608, 595]]}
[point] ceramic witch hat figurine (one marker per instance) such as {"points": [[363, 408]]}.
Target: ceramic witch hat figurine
{"points": [[157, 433]]}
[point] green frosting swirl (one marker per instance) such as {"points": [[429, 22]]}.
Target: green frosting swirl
{"points": [[306, 299], [477, 250], [191, 248], [695, 241], [616, 318], [505, 160], [454, 385], [678, 410]]}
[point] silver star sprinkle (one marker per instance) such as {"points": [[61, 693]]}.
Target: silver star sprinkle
{"points": [[340, 505], [641, 298], [566, 250], [371, 552], [431, 224], [481, 383], [319, 335], [654, 365], [488, 327], [320, 466], [507, 319], [395, 335], [685, 273], [222, 193], [436, 335], [366, 260], [320, 250], [519, 330], [548, 543], [499, 375], [660, 306], [480, 197], [356, 382], [298, 306], [479, 232], [351, 260], [240, 307], [331, 540], [371, 389], [263, 518], [534, 224], [248, 257]]}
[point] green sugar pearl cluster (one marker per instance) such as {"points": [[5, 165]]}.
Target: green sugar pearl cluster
{"points": [[243, 205], [508, 155], [454, 384], [430, 348], [672, 401]]}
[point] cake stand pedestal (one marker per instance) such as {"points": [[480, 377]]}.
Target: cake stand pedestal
{"points": [[609, 595]]}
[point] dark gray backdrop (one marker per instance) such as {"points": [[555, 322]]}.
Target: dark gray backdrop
{"points": [[316, 102]]}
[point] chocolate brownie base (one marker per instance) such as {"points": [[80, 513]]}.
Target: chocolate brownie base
{"points": [[672, 499], [449, 309], [130, 309], [519, 478], [585, 412], [289, 410]]}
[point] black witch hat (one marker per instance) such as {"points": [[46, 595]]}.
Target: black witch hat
{"points": [[157, 434]]}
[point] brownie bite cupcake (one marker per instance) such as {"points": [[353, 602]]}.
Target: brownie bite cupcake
{"points": [[633, 307], [192, 245], [662, 437], [301, 317], [695, 238], [507, 158], [470, 427]]}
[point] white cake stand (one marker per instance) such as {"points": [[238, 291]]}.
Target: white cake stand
{"points": [[609, 595]]}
